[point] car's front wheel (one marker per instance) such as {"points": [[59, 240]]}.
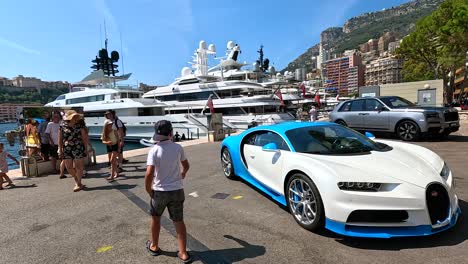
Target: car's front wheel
{"points": [[304, 202], [226, 162], [408, 131]]}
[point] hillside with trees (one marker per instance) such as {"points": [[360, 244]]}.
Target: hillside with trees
{"points": [[438, 45], [45, 95]]}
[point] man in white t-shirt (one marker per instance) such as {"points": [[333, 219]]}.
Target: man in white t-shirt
{"points": [[52, 131], [163, 182], [313, 113]]}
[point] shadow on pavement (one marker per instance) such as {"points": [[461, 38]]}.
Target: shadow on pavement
{"points": [[22, 186], [457, 235], [230, 255], [111, 187]]}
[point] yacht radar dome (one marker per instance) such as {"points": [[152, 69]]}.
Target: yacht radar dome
{"points": [[186, 71], [212, 48], [272, 70], [202, 45], [256, 66], [230, 44]]}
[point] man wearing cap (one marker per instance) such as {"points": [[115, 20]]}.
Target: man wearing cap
{"points": [[163, 182]]}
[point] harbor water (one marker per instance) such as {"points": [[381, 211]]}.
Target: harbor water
{"points": [[13, 150]]}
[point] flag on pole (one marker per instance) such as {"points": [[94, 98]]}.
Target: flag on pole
{"points": [[280, 96], [317, 100], [210, 105], [303, 88]]}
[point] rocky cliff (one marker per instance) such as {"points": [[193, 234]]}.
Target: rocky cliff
{"points": [[357, 30]]}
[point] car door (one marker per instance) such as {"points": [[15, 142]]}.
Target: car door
{"points": [[355, 116], [266, 166], [377, 117]]}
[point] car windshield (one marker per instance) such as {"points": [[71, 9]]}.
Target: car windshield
{"points": [[396, 102], [333, 139]]}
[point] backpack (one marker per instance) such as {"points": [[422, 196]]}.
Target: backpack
{"points": [[124, 128]]}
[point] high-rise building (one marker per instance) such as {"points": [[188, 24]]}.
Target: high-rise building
{"points": [[323, 56], [385, 40], [8, 112], [373, 45], [392, 46], [344, 74], [383, 71]]}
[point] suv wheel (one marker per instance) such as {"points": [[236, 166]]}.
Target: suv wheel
{"points": [[408, 131], [341, 122]]}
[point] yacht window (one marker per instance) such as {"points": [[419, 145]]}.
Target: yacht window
{"points": [[184, 82], [185, 97], [60, 97], [86, 99]]}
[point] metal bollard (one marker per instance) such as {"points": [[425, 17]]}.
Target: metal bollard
{"points": [[25, 168]]}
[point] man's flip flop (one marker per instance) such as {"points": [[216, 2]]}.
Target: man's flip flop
{"points": [[188, 260], [152, 252]]}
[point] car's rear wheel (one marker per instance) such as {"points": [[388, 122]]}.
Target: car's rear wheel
{"points": [[341, 122], [226, 162], [408, 131], [304, 202]]}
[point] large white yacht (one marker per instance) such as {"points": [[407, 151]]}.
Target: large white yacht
{"points": [[138, 114], [233, 92]]}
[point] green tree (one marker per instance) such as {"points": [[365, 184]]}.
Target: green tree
{"points": [[439, 42], [416, 71]]}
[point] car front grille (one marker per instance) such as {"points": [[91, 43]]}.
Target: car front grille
{"points": [[438, 203], [377, 216], [451, 116]]}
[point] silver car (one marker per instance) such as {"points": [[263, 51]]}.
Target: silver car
{"points": [[396, 115]]}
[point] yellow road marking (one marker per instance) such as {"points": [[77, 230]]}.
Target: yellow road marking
{"points": [[103, 249], [237, 197]]}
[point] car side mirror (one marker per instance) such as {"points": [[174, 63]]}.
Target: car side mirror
{"points": [[381, 108], [270, 147], [369, 135]]}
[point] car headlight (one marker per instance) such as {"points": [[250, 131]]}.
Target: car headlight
{"points": [[445, 172], [359, 186]]}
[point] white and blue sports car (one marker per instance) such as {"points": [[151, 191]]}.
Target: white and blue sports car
{"points": [[329, 175]]}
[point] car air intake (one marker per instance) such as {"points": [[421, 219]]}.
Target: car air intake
{"points": [[451, 116], [438, 203], [377, 216]]}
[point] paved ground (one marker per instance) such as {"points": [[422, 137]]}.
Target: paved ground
{"points": [[42, 221]]}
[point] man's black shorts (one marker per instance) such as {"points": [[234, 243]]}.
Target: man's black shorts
{"points": [[53, 151], [45, 150], [112, 148], [173, 200]]}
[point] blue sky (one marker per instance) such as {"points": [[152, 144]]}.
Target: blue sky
{"points": [[56, 39]]}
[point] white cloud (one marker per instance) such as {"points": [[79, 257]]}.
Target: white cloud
{"points": [[19, 47]]}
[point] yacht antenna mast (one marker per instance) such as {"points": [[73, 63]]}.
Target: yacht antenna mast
{"points": [[121, 54], [100, 35], [105, 34]]}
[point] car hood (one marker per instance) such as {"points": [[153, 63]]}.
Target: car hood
{"points": [[404, 163]]}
